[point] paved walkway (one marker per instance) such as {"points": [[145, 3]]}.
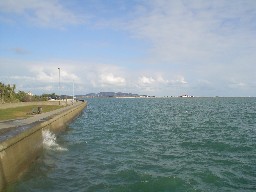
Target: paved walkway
{"points": [[21, 122]]}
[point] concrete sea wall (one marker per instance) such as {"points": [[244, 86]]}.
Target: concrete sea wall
{"points": [[20, 146]]}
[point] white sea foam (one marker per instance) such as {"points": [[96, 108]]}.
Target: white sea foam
{"points": [[49, 141]]}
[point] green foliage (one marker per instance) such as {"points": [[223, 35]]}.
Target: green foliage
{"points": [[8, 95], [50, 96], [22, 96]]}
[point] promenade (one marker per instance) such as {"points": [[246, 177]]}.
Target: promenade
{"points": [[21, 140], [7, 125]]}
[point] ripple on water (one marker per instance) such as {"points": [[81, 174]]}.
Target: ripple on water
{"points": [[196, 144]]}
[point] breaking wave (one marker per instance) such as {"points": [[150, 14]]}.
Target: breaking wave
{"points": [[49, 141]]}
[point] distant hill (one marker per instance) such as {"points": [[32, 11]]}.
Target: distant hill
{"points": [[112, 94]]}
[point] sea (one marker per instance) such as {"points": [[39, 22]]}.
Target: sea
{"points": [[150, 145]]}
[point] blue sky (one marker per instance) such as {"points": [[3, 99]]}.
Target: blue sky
{"points": [[154, 47]]}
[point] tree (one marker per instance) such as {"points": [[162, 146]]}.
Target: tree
{"points": [[7, 94], [21, 96]]}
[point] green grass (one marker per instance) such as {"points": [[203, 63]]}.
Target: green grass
{"points": [[24, 111]]}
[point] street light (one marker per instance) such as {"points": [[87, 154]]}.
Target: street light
{"points": [[1, 96], [73, 91], [59, 81]]}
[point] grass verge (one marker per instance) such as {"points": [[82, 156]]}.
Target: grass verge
{"points": [[24, 111]]}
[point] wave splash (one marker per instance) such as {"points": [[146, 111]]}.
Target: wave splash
{"points": [[49, 141]]}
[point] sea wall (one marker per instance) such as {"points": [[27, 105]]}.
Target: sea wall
{"points": [[24, 144]]}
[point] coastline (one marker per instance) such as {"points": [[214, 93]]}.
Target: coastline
{"points": [[21, 140]]}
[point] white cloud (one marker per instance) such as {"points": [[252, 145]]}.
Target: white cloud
{"points": [[110, 79], [101, 76], [146, 80], [214, 41], [40, 77], [51, 73], [179, 80], [202, 46], [160, 80], [158, 83], [50, 13], [22, 78], [196, 32]]}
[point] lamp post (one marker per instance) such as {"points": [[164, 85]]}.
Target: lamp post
{"points": [[59, 84], [1, 96], [73, 90]]}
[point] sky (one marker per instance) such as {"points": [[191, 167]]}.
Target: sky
{"points": [[153, 47]]}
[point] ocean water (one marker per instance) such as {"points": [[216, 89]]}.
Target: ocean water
{"points": [[137, 145]]}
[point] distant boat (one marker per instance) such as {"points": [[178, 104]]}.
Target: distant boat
{"points": [[186, 96]]}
